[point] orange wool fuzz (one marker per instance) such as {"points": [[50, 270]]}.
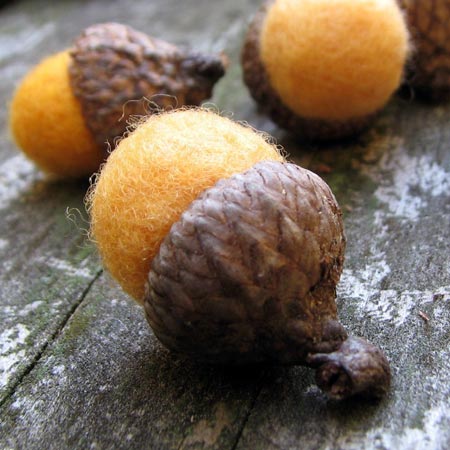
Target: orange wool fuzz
{"points": [[151, 178], [334, 59], [47, 123]]}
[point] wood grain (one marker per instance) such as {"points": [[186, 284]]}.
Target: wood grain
{"points": [[79, 366]]}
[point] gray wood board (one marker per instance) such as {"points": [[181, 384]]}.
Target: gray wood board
{"points": [[80, 368]]}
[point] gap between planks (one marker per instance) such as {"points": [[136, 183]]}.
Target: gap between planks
{"points": [[248, 414], [10, 392]]}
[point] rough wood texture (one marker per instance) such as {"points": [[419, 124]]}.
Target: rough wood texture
{"points": [[79, 367]]}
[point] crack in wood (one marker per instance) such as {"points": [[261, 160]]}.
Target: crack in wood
{"points": [[53, 337], [248, 413]]}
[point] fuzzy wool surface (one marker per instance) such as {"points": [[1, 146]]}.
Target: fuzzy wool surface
{"points": [[334, 59], [151, 178], [47, 123]]}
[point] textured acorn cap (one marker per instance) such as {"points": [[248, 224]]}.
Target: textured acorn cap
{"points": [[115, 67], [248, 274], [312, 125], [429, 67]]}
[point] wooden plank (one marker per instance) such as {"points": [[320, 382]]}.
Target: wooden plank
{"points": [[46, 266], [101, 380], [395, 290], [107, 383]]}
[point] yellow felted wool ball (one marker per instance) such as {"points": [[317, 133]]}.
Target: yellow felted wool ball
{"points": [[47, 123], [71, 105], [152, 177], [331, 64]]}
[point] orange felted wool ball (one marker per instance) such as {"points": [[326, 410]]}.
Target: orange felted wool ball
{"points": [[323, 68], [47, 122], [152, 177]]}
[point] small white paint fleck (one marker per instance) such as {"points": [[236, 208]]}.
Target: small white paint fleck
{"points": [[30, 308], [8, 311], [313, 390], [3, 243], [435, 424], [404, 181], [6, 265], [60, 264], [17, 174], [58, 370], [18, 403], [366, 282], [11, 352], [387, 304]]}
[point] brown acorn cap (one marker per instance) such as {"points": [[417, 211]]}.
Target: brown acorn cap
{"points": [[115, 67], [429, 68], [249, 273], [258, 82]]}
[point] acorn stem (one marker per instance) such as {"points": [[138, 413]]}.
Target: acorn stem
{"points": [[356, 368], [210, 67]]}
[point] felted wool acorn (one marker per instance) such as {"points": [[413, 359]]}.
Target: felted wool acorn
{"points": [[323, 68], [235, 253], [151, 178], [429, 68], [73, 103]]}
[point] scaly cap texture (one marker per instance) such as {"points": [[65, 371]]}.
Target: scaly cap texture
{"points": [[248, 274], [429, 69], [115, 67]]}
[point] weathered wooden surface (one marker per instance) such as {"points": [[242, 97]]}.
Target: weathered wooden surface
{"points": [[80, 368]]}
